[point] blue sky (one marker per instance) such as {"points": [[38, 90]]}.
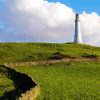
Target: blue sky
{"points": [[82, 5], [43, 21]]}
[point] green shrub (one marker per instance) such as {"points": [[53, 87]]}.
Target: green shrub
{"points": [[59, 56], [85, 55]]}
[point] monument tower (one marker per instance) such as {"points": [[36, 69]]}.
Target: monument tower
{"points": [[77, 37]]}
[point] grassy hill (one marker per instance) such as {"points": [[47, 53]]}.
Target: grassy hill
{"points": [[64, 81], [20, 52]]}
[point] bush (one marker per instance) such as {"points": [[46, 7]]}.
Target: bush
{"points": [[59, 56], [85, 55], [56, 56]]}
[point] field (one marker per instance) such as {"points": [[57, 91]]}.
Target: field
{"points": [[5, 83], [75, 81], [61, 81]]}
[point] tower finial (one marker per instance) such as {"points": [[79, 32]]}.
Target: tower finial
{"points": [[77, 17]]}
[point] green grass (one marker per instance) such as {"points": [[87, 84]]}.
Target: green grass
{"points": [[5, 83], [75, 81], [20, 52]]}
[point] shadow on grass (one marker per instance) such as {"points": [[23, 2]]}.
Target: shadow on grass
{"points": [[21, 81]]}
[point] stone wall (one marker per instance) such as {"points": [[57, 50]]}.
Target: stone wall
{"points": [[31, 94], [26, 87], [34, 63]]}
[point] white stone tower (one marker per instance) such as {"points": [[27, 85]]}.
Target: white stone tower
{"points": [[77, 37]]}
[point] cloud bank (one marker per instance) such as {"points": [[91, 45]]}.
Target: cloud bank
{"points": [[43, 21]]}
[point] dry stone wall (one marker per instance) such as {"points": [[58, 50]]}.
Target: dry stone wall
{"points": [[34, 63], [26, 87], [31, 94]]}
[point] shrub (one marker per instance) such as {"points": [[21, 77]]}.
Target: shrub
{"points": [[85, 55], [56, 56], [59, 56]]}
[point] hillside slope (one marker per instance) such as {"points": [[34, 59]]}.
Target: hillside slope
{"points": [[74, 80], [20, 52]]}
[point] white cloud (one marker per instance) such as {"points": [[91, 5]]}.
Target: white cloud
{"points": [[39, 20], [91, 28]]}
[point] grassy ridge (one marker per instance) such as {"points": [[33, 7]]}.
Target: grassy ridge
{"points": [[19, 52], [77, 81]]}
